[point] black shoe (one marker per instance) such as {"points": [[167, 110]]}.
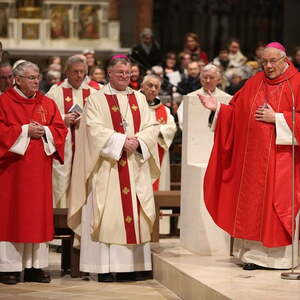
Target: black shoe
{"points": [[36, 275], [106, 277], [9, 278], [251, 267], [143, 275], [125, 276]]}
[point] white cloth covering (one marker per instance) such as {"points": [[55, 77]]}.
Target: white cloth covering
{"points": [[277, 258], [221, 96], [62, 173], [14, 257], [97, 257]]}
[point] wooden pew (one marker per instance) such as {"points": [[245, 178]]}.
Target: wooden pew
{"points": [[164, 200]]}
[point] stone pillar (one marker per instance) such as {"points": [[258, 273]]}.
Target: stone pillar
{"points": [[113, 10], [291, 29], [128, 15], [144, 15]]}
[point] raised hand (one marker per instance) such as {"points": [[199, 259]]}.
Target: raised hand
{"points": [[209, 102]]}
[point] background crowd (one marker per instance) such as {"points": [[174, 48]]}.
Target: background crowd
{"points": [[179, 72]]}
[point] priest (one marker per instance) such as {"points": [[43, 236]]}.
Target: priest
{"points": [[70, 96], [32, 134], [210, 78], [111, 198], [247, 186], [151, 88]]}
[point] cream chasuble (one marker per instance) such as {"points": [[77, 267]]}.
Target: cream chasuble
{"points": [[96, 170], [65, 96]]}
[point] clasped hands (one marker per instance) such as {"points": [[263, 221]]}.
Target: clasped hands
{"points": [[35, 130], [72, 119], [131, 144]]}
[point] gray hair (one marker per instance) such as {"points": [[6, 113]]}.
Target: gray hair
{"points": [[282, 53], [211, 67], [146, 31], [51, 74], [122, 59], [5, 64], [157, 70], [20, 69], [151, 76], [74, 60]]}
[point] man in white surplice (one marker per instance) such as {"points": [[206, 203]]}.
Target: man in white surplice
{"points": [[210, 77], [73, 90], [111, 199]]}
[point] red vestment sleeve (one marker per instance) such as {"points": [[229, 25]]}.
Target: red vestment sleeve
{"points": [[59, 133], [8, 133]]}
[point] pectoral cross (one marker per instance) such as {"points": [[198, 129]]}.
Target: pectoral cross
{"points": [[124, 124]]}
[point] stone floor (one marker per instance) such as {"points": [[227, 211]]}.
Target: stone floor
{"points": [[195, 277], [74, 288]]}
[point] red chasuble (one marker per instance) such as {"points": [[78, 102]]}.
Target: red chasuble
{"points": [[26, 206], [247, 185]]}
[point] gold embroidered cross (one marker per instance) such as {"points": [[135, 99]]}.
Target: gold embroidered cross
{"points": [[115, 108], [134, 107], [161, 121], [125, 190], [122, 162], [40, 110], [68, 99], [128, 219]]}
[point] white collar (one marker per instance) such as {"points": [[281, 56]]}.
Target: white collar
{"points": [[22, 94], [114, 91]]}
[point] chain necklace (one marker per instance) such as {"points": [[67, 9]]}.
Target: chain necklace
{"points": [[123, 123]]}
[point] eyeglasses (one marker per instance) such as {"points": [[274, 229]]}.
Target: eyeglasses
{"points": [[125, 74], [31, 78], [271, 61]]}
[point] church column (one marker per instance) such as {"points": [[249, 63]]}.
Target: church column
{"points": [[144, 15], [113, 10], [291, 29]]}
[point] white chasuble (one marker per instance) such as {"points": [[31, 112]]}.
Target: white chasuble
{"points": [[65, 96], [97, 170]]}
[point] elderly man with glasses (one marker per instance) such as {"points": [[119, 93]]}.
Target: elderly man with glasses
{"points": [[70, 96], [248, 183], [32, 134]]}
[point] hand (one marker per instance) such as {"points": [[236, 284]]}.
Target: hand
{"points": [[131, 144], [77, 120], [35, 130], [209, 102], [265, 113], [69, 118]]}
